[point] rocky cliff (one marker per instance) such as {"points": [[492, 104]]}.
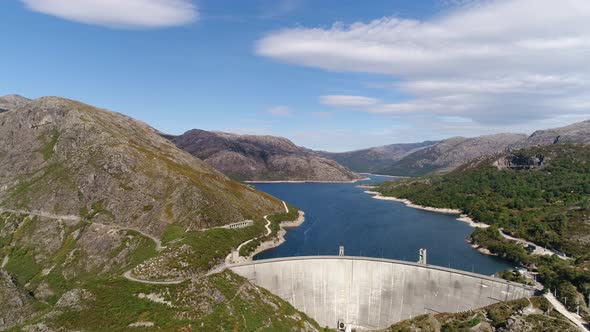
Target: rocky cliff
{"points": [[260, 158]]}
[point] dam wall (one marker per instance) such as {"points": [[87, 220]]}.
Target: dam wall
{"points": [[369, 293]]}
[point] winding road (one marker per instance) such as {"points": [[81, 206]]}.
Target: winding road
{"points": [[128, 274]]}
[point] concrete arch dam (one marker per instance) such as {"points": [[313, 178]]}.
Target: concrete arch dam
{"points": [[371, 293]]}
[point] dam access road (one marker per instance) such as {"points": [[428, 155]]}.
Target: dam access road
{"points": [[370, 293]]}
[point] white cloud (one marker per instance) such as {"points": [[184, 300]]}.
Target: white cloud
{"points": [[119, 13], [280, 111], [348, 101], [494, 61]]}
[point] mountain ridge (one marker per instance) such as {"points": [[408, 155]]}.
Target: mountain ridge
{"points": [[9, 102], [448, 154], [110, 158], [260, 158], [374, 159]]}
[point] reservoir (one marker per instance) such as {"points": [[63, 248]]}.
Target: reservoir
{"points": [[341, 214]]}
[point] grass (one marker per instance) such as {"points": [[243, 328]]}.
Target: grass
{"points": [[277, 219], [213, 245], [22, 265], [173, 232], [115, 306], [238, 307], [47, 150], [251, 312], [210, 247], [96, 208]]}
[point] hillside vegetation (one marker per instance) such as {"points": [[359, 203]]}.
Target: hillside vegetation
{"points": [[541, 194], [88, 196], [535, 314]]}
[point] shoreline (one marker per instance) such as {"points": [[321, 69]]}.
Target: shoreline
{"points": [[306, 181], [388, 176], [280, 238], [460, 215], [268, 244]]}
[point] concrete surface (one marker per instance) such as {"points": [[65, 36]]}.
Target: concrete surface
{"points": [[372, 293]]}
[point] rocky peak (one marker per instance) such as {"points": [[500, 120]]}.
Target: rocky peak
{"points": [[9, 102], [574, 133]]}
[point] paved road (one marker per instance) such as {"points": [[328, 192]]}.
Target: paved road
{"points": [[159, 246], [43, 214], [127, 274], [222, 266], [539, 250], [569, 315], [268, 231]]}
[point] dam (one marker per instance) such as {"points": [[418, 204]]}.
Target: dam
{"points": [[371, 293]]}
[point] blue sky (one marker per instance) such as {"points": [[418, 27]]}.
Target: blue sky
{"points": [[329, 74]]}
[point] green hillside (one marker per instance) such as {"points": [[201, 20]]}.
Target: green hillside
{"points": [[105, 225], [541, 194]]}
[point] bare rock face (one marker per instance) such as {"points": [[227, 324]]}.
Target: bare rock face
{"points": [[249, 157], [15, 304], [12, 101], [66, 158], [74, 299], [576, 133], [520, 162]]}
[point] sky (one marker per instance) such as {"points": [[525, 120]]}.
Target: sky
{"points": [[333, 75]]}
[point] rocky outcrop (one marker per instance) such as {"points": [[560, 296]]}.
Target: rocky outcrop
{"points": [[15, 304], [260, 158], [12, 101], [374, 160], [520, 162]]}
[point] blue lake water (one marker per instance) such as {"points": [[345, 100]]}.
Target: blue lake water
{"points": [[342, 214]]}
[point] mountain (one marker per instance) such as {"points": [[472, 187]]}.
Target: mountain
{"points": [[11, 101], [260, 158], [69, 158], [106, 225], [451, 153], [443, 156], [574, 133], [373, 160]]}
